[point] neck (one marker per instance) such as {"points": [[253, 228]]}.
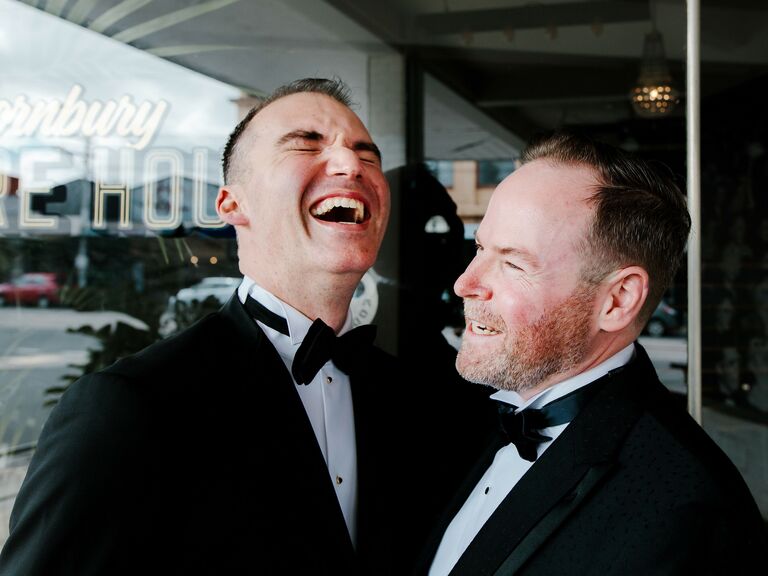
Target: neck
{"points": [[325, 296], [601, 351]]}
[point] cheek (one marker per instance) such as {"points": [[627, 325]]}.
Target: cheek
{"points": [[516, 311], [380, 188], [293, 174], [525, 305]]}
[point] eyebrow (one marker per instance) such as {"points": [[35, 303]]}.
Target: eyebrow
{"points": [[300, 135], [313, 135], [520, 253], [510, 250]]}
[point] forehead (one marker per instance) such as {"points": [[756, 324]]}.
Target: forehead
{"points": [[308, 111], [542, 206]]}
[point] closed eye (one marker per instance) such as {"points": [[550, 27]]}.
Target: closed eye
{"points": [[369, 158], [368, 152], [301, 140]]}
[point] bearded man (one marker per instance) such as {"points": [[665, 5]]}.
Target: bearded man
{"points": [[597, 469]]}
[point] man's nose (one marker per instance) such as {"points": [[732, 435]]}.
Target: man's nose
{"points": [[470, 284], [343, 161]]}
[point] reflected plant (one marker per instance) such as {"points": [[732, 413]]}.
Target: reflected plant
{"points": [[117, 340], [181, 315], [78, 298]]}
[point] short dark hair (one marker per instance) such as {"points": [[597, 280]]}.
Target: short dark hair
{"points": [[334, 88], [640, 218]]}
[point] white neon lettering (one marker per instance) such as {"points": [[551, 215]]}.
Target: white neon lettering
{"points": [[147, 188], [5, 187], [175, 163], [26, 218], [71, 114], [19, 115], [6, 114], [52, 118], [123, 190], [199, 165]]}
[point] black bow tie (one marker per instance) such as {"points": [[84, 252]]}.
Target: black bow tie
{"points": [[349, 351], [523, 428]]}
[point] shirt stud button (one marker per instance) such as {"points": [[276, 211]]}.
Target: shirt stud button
{"points": [[339, 479], [329, 379]]}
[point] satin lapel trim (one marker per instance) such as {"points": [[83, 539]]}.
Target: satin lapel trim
{"points": [[436, 535], [549, 523], [538, 493], [549, 492]]}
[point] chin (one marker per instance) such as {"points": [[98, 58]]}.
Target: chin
{"points": [[348, 266], [356, 260]]}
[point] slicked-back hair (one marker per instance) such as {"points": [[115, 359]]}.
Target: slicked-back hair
{"points": [[334, 88], [640, 214]]}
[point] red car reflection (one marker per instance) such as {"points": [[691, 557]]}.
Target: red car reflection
{"points": [[33, 288]]}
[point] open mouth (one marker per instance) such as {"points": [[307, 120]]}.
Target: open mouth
{"points": [[482, 329], [340, 210]]}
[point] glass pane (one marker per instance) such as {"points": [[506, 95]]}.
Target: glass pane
{"points": [[506, 84], [113, 118], [734, 237]]}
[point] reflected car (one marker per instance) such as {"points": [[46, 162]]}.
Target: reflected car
{"points": [[218, 287], [185, 306], [31, 289], [665, 320]]}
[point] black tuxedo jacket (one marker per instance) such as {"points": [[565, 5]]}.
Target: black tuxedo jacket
{"points": [[633, 486], [195, 456]]}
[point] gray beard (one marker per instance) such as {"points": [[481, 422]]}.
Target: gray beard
{"points": [[554, 344]]}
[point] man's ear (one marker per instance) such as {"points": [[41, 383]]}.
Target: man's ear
{"points": [[623, 297], [229, 208]]}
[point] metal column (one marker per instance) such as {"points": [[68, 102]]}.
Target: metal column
{"points": [[693, 101]]}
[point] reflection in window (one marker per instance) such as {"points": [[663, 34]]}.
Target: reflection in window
{"points": [[442, 170], [491, 172]]}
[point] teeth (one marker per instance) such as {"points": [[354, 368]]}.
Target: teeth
{"points": [[480, 329], [340, 202]]}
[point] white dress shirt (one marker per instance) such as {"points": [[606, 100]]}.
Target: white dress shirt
{"points": [[327, 399], [508, 467]]}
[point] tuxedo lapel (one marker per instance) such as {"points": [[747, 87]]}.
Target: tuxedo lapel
{"points": [[296, 454], [552, 519], [381, 476], [539, 503], [366, 449], [560, 480], [497, 441]]}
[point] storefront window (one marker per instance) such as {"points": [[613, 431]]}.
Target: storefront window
{"points": [[113, 117], [734, 236]]}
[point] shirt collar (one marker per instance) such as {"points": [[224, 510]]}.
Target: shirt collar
{"points": [[298, 323], [560, 389]]}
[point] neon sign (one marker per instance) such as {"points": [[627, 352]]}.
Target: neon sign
{"points": [[149, 193], [138, 123]]}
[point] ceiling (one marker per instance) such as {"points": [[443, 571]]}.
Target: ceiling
{"points": [[524, 66], [532, 66]]}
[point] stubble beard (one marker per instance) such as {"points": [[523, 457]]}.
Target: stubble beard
{"points": [[553, 344]]}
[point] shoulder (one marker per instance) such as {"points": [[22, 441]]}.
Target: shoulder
{"points": [[659, 444], [193, 345], [664, 437], [679, 466], [158, 384], [685, 448]]}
